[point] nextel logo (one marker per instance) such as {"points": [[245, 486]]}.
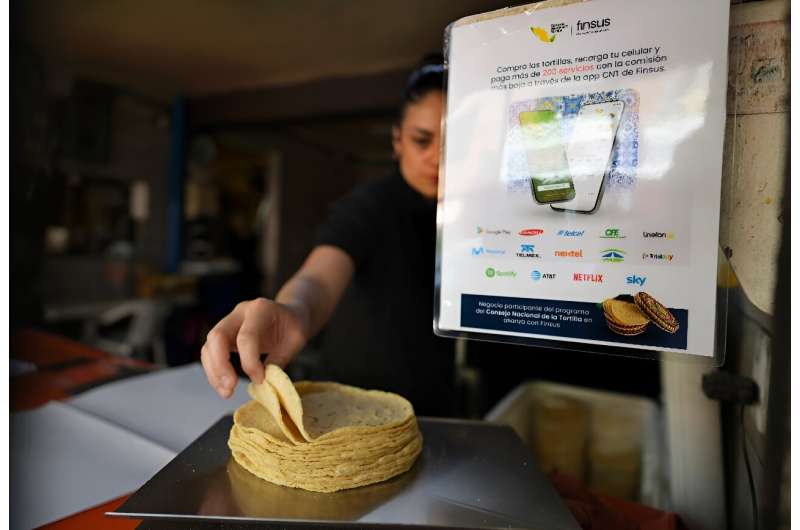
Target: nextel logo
{"points": [[594, 278], [569, 253]]}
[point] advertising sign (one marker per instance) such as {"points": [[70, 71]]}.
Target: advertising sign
{"points": [[581, 174]]}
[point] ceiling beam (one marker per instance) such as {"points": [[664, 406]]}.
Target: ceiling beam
{"points": [[324, 97]]}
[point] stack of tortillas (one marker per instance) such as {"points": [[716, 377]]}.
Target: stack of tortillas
{"points": [[624, 318], [323, 436]]}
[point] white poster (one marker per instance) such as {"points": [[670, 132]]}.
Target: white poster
{"points": [[581, 174]]}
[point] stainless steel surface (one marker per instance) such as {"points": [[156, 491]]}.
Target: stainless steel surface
{"points": [[470, 474]]}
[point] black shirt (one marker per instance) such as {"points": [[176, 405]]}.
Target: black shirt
{"points": [[381, 334]]}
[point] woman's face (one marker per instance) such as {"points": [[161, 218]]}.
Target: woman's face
{"points": [[417, 142]]}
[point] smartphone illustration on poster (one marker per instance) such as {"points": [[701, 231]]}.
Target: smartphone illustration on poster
{"points": [[589, 154], [546, 152]]}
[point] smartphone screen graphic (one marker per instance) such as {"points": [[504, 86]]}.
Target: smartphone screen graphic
{"points": [[589, 153], [546, 152]]}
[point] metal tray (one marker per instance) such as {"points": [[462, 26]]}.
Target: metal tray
{"points": [[471, 474]]}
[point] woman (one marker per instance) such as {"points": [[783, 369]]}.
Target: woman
{"points": [[368, 280]]}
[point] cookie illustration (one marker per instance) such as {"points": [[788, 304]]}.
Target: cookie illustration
{"points": [[656, 312]]}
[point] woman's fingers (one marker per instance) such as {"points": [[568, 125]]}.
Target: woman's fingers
{"points": [[215, 355], [254, 327], [257, 333]]}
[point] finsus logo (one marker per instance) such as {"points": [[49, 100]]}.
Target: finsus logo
{"points": [[592, 24]]}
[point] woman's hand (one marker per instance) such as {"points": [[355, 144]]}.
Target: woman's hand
{"points": [[281, 327], [253, 327]]}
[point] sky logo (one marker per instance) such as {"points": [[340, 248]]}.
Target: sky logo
{"points": [[636, 280]]}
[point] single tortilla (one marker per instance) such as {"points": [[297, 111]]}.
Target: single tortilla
{"points": [[266, 395], [287, 395]]}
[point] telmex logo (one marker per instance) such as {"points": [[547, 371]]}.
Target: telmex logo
{"points": [[593, 278], [536, 275], [571, 233], [479, 251], [494, 273], [612, 233], [569, 253], [658, 235], [657, 256], [636, 280], [527, 251], [492, 232], [613, 255], [531, 232]]}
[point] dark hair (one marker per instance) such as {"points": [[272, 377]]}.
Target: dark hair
{"points": [[428, 76]]}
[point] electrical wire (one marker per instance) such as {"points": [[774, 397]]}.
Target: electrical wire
{"points": [[749, 471]]}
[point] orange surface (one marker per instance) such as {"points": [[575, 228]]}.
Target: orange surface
{"points": [[45, 349], [95, 518], [63, 367], [599, 512]]}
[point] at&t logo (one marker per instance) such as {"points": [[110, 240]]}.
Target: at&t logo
{"points": [[538, 275]]}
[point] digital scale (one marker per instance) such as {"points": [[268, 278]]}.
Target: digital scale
{"points": [[470, 474]]}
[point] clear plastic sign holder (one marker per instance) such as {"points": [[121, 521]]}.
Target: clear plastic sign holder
{"points": [[560, 155]]}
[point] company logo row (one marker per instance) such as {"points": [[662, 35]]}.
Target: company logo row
{"points": [[538, 275], [607, 255], [608, 233]]}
